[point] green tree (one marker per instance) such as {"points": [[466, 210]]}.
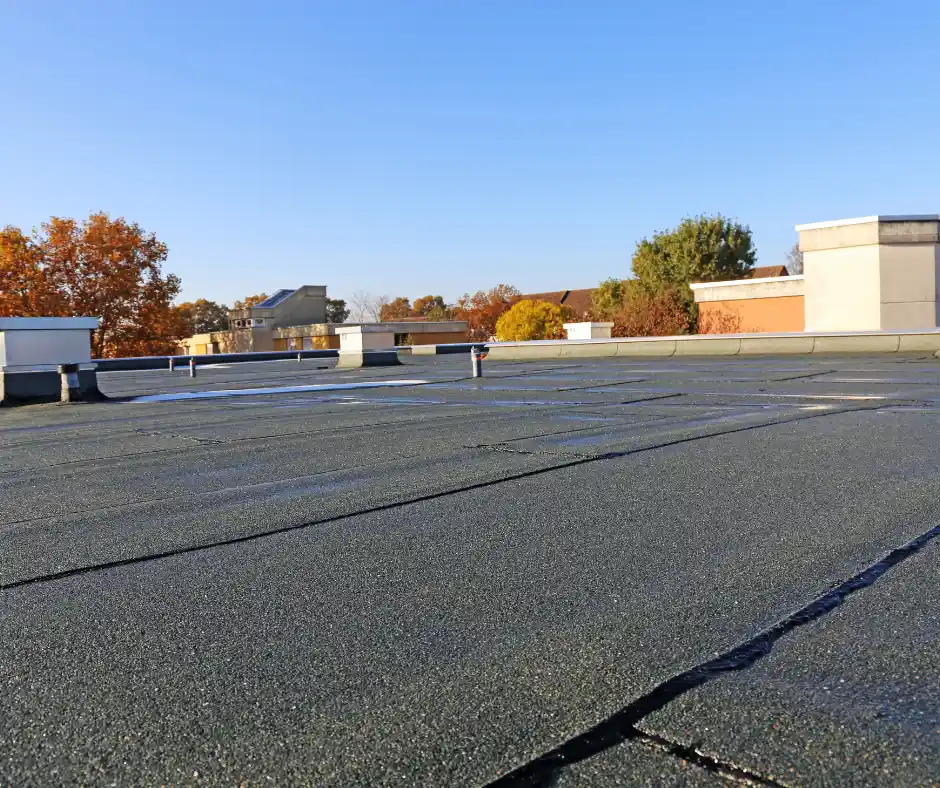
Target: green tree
{"points": [[203, 317], [700, 249], [440, 313], [607, 299], [336, 311], [527, 320]]}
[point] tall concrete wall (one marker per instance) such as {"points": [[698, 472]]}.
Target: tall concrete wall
{"points": [[909, 276], [304, 306], [843, 289], [872, 273]]}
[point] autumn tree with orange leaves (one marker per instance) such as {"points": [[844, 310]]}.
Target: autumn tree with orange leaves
{"points": [[104, 268], [482, 309], [395, 310], [249, 301], [432, 308], [656, 314]]}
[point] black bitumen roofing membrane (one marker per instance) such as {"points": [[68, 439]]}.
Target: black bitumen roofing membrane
{"points": [[585, 573]]}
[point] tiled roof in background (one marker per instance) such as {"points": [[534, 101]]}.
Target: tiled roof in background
{"points": [[766, 271], [578, 301]]}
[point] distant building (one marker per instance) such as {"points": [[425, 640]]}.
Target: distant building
{"points": [[578, 302], [767, 271], [306, 304], [255, 327], [296, 320]]}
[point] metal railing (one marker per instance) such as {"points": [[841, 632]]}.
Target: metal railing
{"points": [[164, 362], [201, 359]]}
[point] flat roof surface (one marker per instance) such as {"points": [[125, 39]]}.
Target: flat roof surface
{"points": [[584, 573]]}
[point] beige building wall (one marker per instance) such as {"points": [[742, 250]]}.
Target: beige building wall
{"points": [[301, 342], [842, 289], [217, 342], [197, 345], [909, 276], [306, 305], [872, 273], [262, 339]]}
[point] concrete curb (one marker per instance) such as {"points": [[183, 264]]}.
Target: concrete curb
{"points": [[864, 344], [36, 388], [658, 347], [353, 359], [604, 350], [711, 347], [782, 345], [725, 345], [446, 349]]}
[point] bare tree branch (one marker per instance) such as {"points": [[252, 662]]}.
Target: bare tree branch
{"points": [[365, 307], [795, 260]]}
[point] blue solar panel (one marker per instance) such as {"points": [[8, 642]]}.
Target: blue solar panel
{"points": [[274, 300]]}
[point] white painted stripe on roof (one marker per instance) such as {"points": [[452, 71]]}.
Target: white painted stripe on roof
{"points": [[189, 395]]}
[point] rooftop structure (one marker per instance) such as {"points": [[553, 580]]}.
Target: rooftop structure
{"points": [[46, 359], [286, 307], [872, 273]]}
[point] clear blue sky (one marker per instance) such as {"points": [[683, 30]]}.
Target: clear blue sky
{"points": [[406, 147]]}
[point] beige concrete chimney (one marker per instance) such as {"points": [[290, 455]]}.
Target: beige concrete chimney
{"points": [[872, 273]]}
